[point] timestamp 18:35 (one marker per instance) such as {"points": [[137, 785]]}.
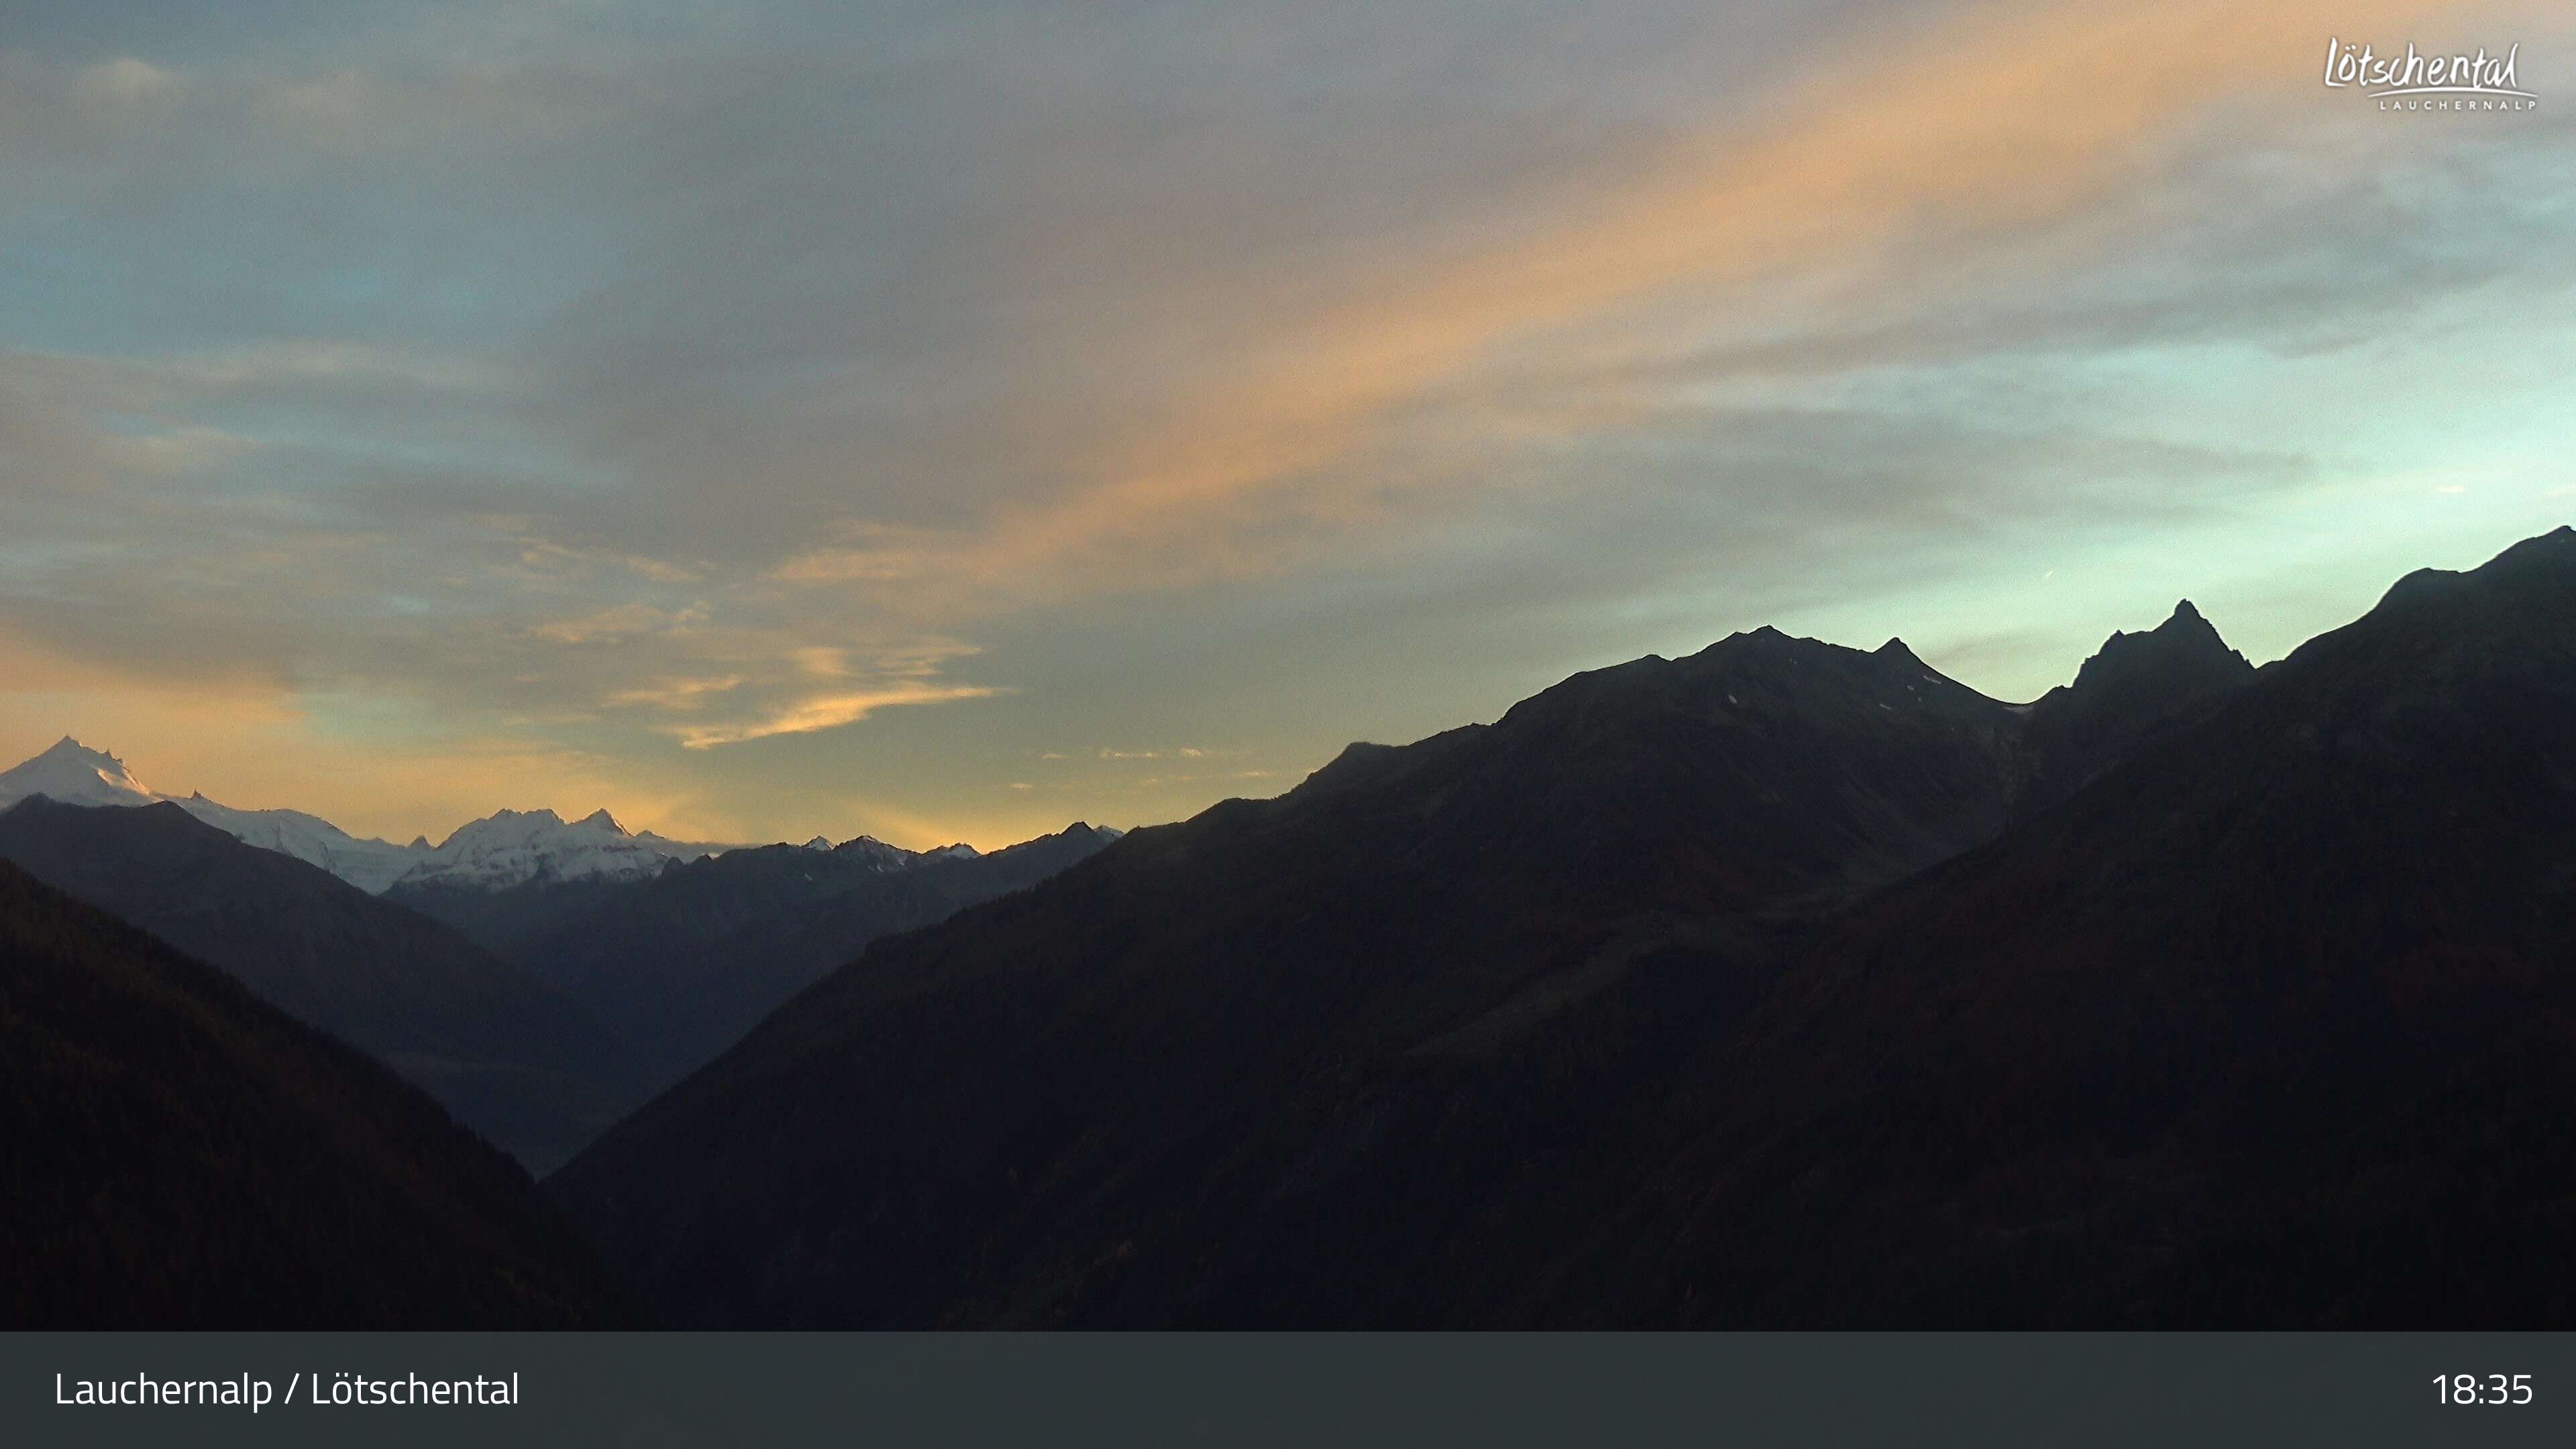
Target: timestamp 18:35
{"points": [[2483, 1388]]}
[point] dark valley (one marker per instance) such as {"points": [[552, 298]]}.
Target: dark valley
{"points": [[183, 1155], [513, 1058]]}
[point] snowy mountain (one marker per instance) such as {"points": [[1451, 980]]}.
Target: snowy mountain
{"points": [[495, 853], [876, 852], [514, 847], [72, 775], [490, 854], [370, 865]]}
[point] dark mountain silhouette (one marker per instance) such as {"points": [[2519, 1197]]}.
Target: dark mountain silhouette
{"points": [[682, 965], [2138, 687], [1378, 1051], [2273, 1025], [510, 920], [511, 1057], [183, 1155], [503, 921]]}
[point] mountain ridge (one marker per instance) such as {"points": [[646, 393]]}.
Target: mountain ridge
{"points": [[683, 964], [497, 852], [1472, 1031], [185, 1156], [510, 1055], [1416, 906], [2415, 769]]}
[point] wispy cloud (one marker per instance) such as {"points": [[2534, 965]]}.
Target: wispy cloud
{"points": [[619, 622], [2029, 115], [622, 379], [675, 694], [831, 711], [125, 82]]}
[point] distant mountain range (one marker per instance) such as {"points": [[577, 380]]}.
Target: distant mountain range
{"points": [[512, 1057], [494, 853], [486, 972], [683, 965], [1781, 985]]}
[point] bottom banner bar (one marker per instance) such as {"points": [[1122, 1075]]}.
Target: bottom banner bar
{"points": [[492, 1390]]}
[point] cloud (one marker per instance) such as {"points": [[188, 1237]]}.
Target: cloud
{"points": [[672, 694], [320, 360], [605, 377], [125, 82], [2029, 115], [826, 712], [361, 110], [618, 622], [542, 555]]}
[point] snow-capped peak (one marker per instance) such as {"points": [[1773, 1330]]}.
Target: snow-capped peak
{"points": [[70, 773], [370, 865], [512, 847], [876, 852], [504, 849]]}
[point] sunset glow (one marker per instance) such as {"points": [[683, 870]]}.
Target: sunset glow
{"points": [[948, 422]]}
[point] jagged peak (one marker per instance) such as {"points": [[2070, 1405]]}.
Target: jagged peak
{"points": [[2185, 641], [74, 773], [1761, 636], [540, 813], [602, 817], [1761, 641], [68, 748], [2187, 620]]}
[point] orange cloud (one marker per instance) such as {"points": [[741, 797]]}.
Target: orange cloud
{"points": [[2008, 118], [830, 712]]}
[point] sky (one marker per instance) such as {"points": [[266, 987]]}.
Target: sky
{"points": [[948, 421]]}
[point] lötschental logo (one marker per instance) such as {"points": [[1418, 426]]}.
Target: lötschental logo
{"points": [[2419, 82]]}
